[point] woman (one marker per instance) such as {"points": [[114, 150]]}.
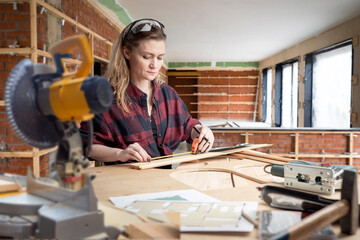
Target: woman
{"points": [[147, 118]]}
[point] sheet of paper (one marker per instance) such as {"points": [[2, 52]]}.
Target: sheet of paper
{"points": [[178, 195], [200, 216]]}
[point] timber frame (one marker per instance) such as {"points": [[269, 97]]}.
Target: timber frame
{"points": [[34, 53]]}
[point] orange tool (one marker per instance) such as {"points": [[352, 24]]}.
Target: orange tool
{"points": [[194, 148]]}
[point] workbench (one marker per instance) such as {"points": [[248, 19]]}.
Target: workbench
{"points": [[210, 176]]}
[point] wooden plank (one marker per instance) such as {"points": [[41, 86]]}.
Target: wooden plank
{"points": [[260, 159], [33, 30], [21, 51], [191, 157], [221, 111], [36, 162], [181, 74], [222, 103], [72, 21], [265, 155], [317, 155], [351, 149], [219, 77], [214, 86], [2, 103], [25, 154]]}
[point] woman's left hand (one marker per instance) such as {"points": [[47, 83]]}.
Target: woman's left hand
{"points": [[206, 139]]}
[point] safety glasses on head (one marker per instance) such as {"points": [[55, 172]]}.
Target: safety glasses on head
{"points": [[147, 23]]}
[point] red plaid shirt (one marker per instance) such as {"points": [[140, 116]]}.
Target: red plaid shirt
{"points": [[118, 129]]}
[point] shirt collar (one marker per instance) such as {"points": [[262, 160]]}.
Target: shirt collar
{"points": [[136, 94]]}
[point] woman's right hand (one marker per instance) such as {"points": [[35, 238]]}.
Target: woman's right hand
{"points": [[134, 152]]}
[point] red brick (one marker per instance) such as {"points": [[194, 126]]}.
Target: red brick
{"points": [[17, 17], [8, 59], [24, 162], [17, 34], [7, 25], [18, 147]]}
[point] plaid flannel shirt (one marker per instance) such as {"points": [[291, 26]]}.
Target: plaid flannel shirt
{"points": [[118, 129]]}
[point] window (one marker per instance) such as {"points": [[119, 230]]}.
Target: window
{"points": [[267, 95], [328, 87], [286, 94]]}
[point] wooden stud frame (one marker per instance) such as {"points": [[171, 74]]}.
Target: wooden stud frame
{"points": [[297, 155], [34, 53]]}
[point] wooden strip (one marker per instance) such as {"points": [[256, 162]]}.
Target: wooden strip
{"points": [[222, 103], [227, 77], [351, 149], [24, 51], [33, 30], [175, 74], [36, 162], [102, 59], [105, 15], [214, 86], [265, 155], [25, 154], [317, 155], [46, 151], [191, 157], [72, 21], [260, 159], [296, 146], [285, 131], [2, 103], [221, 111]]}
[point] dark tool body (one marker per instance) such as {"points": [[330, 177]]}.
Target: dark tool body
{"points": [[347, 210]]}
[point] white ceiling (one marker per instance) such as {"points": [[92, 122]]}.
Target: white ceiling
{"points": [[239, 30]]}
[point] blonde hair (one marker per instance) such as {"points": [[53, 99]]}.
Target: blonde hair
{"points": [[118, 71]]}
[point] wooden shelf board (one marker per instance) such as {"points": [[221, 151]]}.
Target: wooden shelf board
{"points": [[221, 111], [210, 85], [222, 103]]}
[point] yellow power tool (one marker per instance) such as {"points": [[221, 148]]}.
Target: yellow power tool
{"points": [[43, 104]]}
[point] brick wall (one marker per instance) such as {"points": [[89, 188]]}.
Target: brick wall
{"points": [[314, 143], [15, 29], [240, 90]]}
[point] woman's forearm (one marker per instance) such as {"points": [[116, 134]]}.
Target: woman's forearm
{"points": [[105, 154]]}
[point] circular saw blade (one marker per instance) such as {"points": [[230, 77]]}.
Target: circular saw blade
{"points": [[27, 121]]}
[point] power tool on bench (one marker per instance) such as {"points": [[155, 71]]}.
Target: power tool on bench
{"points": [[311, 176], [43, 104]]}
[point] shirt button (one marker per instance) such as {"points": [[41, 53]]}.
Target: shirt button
{"points": [[159, 135]]}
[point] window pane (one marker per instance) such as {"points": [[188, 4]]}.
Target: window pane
{"points": [[294, 97], [286, 96], [269, 96], [332, 88]]}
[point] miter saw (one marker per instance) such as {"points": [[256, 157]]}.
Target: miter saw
{"points": [[43, 104]]}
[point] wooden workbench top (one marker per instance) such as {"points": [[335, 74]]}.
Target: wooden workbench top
{"points": [[120, 180]]}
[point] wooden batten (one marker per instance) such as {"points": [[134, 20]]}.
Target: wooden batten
{"points": [[192, 157]]}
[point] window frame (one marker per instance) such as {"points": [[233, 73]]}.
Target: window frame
{"points": [[309, 66]]}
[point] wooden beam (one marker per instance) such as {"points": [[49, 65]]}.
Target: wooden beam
{"points": [[222, 112], [192, 157], [232, 77], [2, 103], [195, 74], [260, 159], [20, 51], [72, 21], [36, 162], [33, 30], [265, 155], [222, 103], [209, 86]]}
